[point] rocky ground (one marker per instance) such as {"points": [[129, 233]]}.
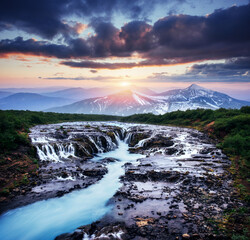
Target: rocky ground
{"points": [[177, 192], [65, 162]]}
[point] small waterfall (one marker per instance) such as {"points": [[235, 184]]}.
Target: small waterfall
{"points": [[55, 152], [117, 137], [99, 149], [110, 144], [66, 151], [47, 152], [128, 137], [80, 143], [143, 141]]}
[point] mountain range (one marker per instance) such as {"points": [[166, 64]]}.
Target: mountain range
{"points": [[131, 101], [115, 102]]}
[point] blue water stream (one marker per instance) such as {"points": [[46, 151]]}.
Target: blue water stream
{"points": [[49, 218]]}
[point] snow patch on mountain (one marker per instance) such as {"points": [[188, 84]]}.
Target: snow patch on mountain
{"points": [[140, 100], [132, 102]]}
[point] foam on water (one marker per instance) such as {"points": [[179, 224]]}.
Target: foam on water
{"points": [[49, 218]]}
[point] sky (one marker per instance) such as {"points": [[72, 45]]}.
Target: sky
{"points": [[159, 44]]}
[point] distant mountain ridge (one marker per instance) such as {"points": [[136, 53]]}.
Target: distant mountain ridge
{"points": [[31, 101], [130, 102], [4, 94]]}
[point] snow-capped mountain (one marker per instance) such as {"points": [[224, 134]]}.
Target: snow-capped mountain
{"points": [[194, 97], [130, 102], [122, 103]]}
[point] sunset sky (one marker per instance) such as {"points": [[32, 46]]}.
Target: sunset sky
{"points": [[160, 44]]}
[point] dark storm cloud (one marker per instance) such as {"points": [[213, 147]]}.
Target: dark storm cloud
{"points": [[111, 41], [106, 42], [78, 48], [39, 17], [175, 39], [45, 17], [137, 36], [232, 67], [233, 70], [191, 32], [223, 34], [98, 65]]}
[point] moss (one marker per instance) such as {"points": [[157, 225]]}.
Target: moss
{"points": [[111, 135]]}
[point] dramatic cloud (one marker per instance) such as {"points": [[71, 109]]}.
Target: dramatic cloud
{"points": [[77, 48], [233, 70], [223, 34], [46, 17], [137, 36], [98, 65], [175, 39], [232, 67], [39, 17], [113, 66]]}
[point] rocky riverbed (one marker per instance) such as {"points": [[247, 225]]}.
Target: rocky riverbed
{"points": [[65, 152], [176, 192]]}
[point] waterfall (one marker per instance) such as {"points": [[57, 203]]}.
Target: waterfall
{"points": [[52, 146], [56, 151], [128, 137]]}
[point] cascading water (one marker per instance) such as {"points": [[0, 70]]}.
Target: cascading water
{"points": [[47, 219]]}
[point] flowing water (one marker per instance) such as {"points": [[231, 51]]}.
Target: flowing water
{"points": [[50, 218]]}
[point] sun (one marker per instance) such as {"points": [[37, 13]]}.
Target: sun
{"points": [[125, 84]]}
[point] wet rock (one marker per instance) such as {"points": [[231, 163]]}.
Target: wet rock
{"points": [[171, 151], [109, 160], [95, 172], [64, 175]]}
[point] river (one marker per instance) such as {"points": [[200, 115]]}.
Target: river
{"points": [[49, 218]]}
